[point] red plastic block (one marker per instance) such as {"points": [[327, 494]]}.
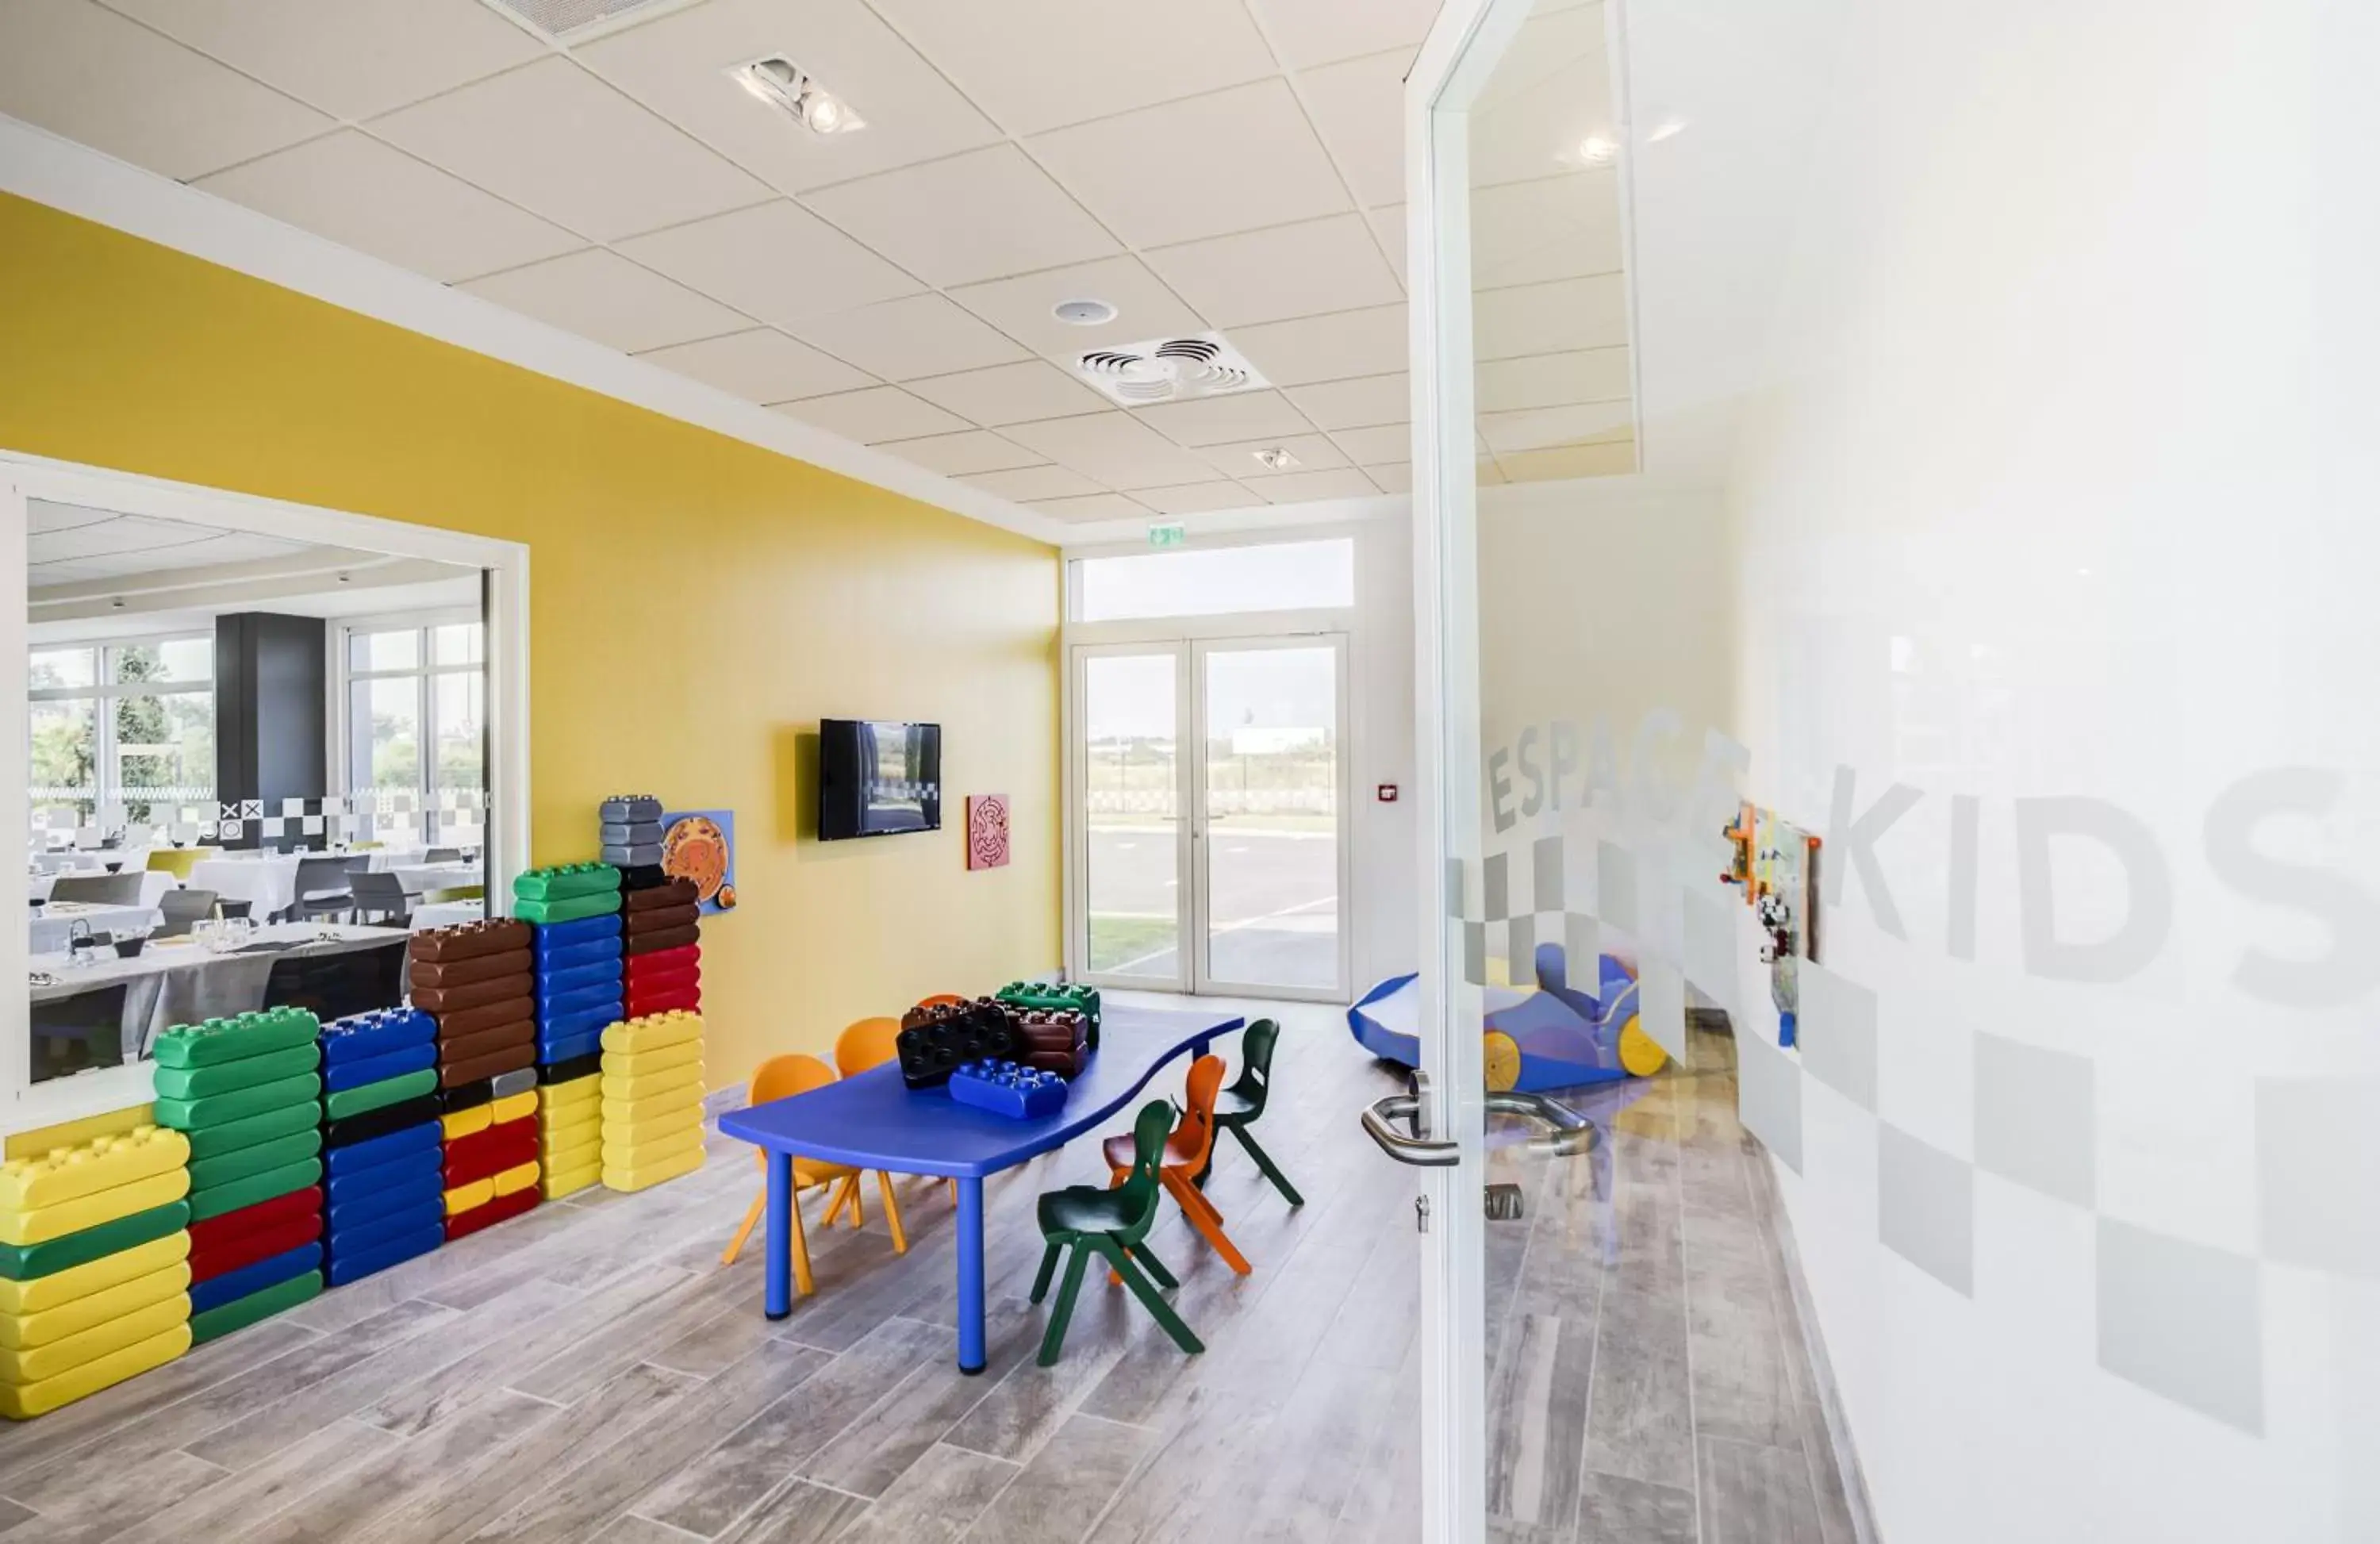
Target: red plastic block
{"points": [[479, 1216]]}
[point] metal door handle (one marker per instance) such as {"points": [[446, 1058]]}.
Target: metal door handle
{"points": [[1417, 1151], [1567, 1133]]}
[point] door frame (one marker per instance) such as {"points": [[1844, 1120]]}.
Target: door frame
{"points": [[1191, 646]]}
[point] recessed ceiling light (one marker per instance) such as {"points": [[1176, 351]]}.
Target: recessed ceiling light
{"points": [[1597, 150], [783, 84], [1277, 459], [1084, 313]]}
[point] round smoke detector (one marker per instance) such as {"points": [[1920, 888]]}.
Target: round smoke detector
{"points": [[1084, 313]]}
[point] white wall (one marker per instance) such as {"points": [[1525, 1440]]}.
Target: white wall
{"points": [[1383, 909], [2057, 479]]}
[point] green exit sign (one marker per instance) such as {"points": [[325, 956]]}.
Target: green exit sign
{"points": [[1168, 535]]}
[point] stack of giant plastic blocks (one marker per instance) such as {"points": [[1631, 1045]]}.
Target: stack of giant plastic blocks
{"points": [[380, 1142], [573, 917], [652, 1099]]}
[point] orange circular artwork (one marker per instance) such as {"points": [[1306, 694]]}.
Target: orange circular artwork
{"points": [[694, 849]]}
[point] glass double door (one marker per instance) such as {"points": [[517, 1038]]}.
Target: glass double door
{"points": [[1209, 815]]}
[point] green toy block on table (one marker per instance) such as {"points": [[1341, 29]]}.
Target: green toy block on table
{"points": [[191, 1114], [569, 881], [28, 1262], [1054, 998], [230, 1040], [570, 908], [241, 1312], [228, 1078]]}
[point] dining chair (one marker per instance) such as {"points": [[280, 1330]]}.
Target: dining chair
{"points": [[179, 861], [182, 909], [323, 888], [1186, 1152], [871, 1043], [783, 1077], [380, 895], [1113, 1224], [106, 890]]}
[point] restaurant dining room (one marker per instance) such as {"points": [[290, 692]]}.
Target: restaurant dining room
{"points": [[255, 764]]}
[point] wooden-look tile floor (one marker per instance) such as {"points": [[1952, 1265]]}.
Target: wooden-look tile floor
{"points": [[591, 1372]]}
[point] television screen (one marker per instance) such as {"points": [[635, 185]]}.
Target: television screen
{"points": [[877, 778]]}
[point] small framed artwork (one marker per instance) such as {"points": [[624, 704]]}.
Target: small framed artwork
{"points": [[987, 830], [700, 844]]}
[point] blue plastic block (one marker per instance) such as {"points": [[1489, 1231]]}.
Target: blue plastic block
{"points": [[356, 1264], [372, 1208], [355, 1157], [405, 1174], [232, 1286], [582, 956], [1005, 1089], [375, 1034], [361, 1070], [569, 1048], [578, 978], [348, 1240], [548, 937], [576, 1026], [606, 998]]}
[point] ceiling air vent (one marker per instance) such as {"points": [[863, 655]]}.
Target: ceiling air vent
{"points": [[1168, 369], [577, 20]]}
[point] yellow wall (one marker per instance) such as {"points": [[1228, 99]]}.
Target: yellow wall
{"points": [[697, 604]]}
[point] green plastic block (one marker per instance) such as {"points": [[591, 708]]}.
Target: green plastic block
{"points": [[26, 1262], [241, 1312], [216, 1140], [388, 1090], [254, 1189], [210, 1174], [229, 1039], [571, 909], [196, 1114], [1032, 994], [229, 1077], [566, 883]]}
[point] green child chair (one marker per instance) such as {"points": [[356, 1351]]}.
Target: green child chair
{"points": [[1112, 1224], [1243, 1104]]}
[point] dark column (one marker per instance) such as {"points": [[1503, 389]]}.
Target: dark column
{"points": [[270, 737]]}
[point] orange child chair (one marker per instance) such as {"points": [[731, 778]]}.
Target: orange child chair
{"points": [[871, 1043], [781, 1078], [1186, 1152]]}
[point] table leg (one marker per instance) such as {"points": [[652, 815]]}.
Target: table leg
{"points": [[780, 1302], [970, 1237]]}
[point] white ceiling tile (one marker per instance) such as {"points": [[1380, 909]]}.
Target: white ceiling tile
{"points": [[776, 260], [1113, 448], [761, 366], [1036, 64], [1092, 507], [1359, 106], [1358, 404], [1322, 265], [1336, 348], [1214, 421], [1550, 317], [983, 215], [1022, 307], [1390, 224], [1551, 380], [603, 295], [1197, 498], [45, 515], [1395, 476], [1032, 482], [1313, 453], [1310, 33], [873, 415], [1556, 227], [1545, 428], [1385, 442], [1551, 91], [351, 58], [353, 189], [1011, 394], [962, 454], [1229, 161], [554, 140], [1301, 487], [902, 340], [123, 533], [1613, 458], [113, 84], [678, 66]]}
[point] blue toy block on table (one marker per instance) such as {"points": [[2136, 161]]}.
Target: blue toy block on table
{"points": [[1005, 1089]]}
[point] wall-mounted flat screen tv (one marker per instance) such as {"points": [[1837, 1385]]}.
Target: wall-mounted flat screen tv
{"points": [[879, 778]]}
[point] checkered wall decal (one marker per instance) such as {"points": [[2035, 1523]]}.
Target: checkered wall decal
{"points": [[454, 817]]}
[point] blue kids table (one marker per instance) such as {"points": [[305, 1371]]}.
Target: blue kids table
{"points": [[872, 1121]]}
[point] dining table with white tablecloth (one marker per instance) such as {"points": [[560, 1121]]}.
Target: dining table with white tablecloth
{"points": [[268, 881], [53, 930], [154, 883]]}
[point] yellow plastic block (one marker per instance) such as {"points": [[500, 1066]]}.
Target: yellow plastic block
{"points": [[513, 1107], [642, 1123], [69, 1174], [634, 1112], [624, 1155], [74, 1133], [649, 1084], [467, 1122], [643, 1063], [557, 1185], [652, 1033], [45, 1293], [563, 1137], [43, 1223], [463, 1197], [555, 1097], [27, 1331], [25, 1402], [578, 1149], [70, 1352], [520, 1176], [651, 1175], [571, 1124]]}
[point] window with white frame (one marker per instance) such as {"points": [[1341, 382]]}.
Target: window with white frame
{"points": [[413, 697], [121, 732], [1216, 581]]}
